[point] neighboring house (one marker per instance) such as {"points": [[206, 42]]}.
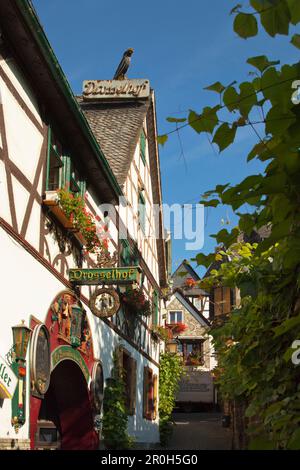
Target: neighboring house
{"points": [[187, 319], [96, 152]]}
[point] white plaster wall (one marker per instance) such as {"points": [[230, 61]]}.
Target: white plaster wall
{"points": [[24, 140], [16, 77], [4, 201]]}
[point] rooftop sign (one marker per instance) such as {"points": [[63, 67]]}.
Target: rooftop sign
{"points": [[115, 89]]}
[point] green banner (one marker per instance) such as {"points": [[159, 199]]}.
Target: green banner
{"points": [[124, 275]]}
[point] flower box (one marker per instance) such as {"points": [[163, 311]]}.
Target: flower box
{"points": [[51, 201]]}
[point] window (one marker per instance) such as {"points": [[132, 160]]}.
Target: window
{"points": [[192, 351], [142, 212], [54, 165], [61, 170], [143, 147], [223, 300], [175, 316], [128, 367], [128, 255], [150, 394]]}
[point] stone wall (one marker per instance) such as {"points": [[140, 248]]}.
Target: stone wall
{"points": [[14, 444]]}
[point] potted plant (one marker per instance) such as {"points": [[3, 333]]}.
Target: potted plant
{"points": [[135, 299], [70, 210]]}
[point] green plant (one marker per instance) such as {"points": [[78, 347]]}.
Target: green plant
{"points": [[254, 345], [115, 418], [74, 208], [136, 300], [171, 370]]}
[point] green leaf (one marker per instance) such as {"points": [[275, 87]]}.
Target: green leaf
{"points": [[257, 150], [250, 182], [276, 20], [211, 203], [286, 326], [224, 136], [246, 223], [294, 443], [261, 443], [204, 260], [231, 98], [205, 122], [217, 87], [248, 98], [294, 7], [245, 25], [278, 121], [162, 139], [296, 40], [173, 119], [261, 62]]}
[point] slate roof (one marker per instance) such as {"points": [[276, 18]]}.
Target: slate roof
{"points": [[117, 127]]}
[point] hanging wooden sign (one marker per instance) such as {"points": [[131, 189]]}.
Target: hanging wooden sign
{"points": [[124, 275], [104, 302]]}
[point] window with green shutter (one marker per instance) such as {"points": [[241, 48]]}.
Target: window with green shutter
{"points": [[143, 147], [155, 319], [61, 170], [142, 212], [125, 255]]}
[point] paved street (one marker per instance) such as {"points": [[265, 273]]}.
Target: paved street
{"points": [[199, 431]]}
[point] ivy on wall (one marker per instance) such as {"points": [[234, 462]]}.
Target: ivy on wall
{"points": [[255, 345], [170, 372], [115, 418]]}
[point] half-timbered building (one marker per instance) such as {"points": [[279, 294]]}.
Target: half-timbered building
{"points": [[79, 179], [187, 321]]}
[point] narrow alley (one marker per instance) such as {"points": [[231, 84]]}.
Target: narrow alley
{"points": [[199, 431]]}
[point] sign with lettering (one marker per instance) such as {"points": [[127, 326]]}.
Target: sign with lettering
{"points": [[63, 353], [126, 275], [120, 89], [8, 380]]}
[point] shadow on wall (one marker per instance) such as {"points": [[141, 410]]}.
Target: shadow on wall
{"points": [[105, 342]]}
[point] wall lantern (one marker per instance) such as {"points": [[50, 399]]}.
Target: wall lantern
{"points": [[76, 326], [21, 335]]}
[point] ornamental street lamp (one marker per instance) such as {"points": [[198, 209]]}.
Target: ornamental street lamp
{"points": [[21, 335]]}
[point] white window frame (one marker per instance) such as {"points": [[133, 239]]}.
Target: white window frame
{"points": [[175, 311]]}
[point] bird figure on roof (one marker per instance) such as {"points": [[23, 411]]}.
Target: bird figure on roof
{"points": [[123, 65]]}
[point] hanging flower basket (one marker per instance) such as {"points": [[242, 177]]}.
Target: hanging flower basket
{"points": [[176, 328], [135, 299], [190, 283]]}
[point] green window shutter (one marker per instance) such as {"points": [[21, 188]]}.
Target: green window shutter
{"points": [[54, 165], [155, 308], [143, 147], [125, 253], [142, 212]]}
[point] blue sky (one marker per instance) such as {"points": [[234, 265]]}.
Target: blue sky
{"points": [[181, 47]]}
